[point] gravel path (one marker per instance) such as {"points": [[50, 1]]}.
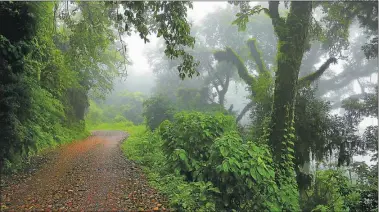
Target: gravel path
{"points": [[88, 175]]}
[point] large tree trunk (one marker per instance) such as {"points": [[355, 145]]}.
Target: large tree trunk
{"points": [[292, 34]]}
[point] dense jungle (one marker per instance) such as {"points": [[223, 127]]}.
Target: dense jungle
{"points": [[189, 106]]}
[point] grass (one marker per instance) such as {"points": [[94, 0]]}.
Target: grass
{"points": [[109, 126]]}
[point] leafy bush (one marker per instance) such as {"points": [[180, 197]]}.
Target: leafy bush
{"points": [[207, 148], [145, 147], [156, 110], [244, 174], [188, 138]]}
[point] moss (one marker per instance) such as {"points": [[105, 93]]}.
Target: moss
{"points": [[256, 54], [230, 56]]}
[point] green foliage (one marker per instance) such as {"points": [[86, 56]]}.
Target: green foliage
{"points": [[234, 176], [95, 114], [121, 125], [189, 98], [31, 104], [188, 138], [244, 174], [120, 106], [331, 192], [57, 56], [48, 72], [147, 17], [145, 147], [156, 110], [131, 106], [340, 15], [206, 148], [367, 186], [14, 95]]}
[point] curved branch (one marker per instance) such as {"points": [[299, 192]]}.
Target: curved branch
{"points": [[230, 56], [244, 111], [343, 79], [314, 76]]}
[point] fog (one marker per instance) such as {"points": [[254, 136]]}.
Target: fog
{"points": [[141, 76]]}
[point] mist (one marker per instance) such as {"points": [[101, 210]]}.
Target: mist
{"points": [[189, 106]]}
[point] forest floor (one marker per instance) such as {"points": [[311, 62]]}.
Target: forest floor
{"points": [[88, 175]]}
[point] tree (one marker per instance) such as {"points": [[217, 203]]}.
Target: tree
{"points": [[293, 39], [217, 34], [156, 110], [60, 53], [167, 19], [367, 185], [355, 69], [345, 12]]}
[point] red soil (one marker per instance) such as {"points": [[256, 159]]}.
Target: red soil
{"points": [[88, 175]]}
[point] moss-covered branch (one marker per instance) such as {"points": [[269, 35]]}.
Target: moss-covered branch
{"points": [[230, 56], [314, 76], [256, 54]]}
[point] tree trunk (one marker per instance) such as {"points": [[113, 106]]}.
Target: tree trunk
{"points": [[292, 34]]}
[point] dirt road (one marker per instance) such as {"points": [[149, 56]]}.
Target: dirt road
{"points": [[88, 175]]}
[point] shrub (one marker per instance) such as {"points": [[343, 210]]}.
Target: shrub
{"points": [[156, 110], [244, 174], [145, 147], [187, 140], [207, 148]]}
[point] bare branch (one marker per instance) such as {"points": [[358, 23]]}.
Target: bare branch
{"points": [[216, 86], [338, 104], [230, 108], [244, 111], [213, 73]]}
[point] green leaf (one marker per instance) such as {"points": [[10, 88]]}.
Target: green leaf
{"points": [[253, 174], [262, 171], [225, 166]]}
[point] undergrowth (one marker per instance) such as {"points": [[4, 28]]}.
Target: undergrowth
{"points": [[44, 142], [145, 148]]}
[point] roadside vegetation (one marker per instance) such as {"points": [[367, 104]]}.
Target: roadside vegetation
{"points": [[246, 112]]}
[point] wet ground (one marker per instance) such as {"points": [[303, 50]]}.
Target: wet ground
{"points": [[88, 175]]}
